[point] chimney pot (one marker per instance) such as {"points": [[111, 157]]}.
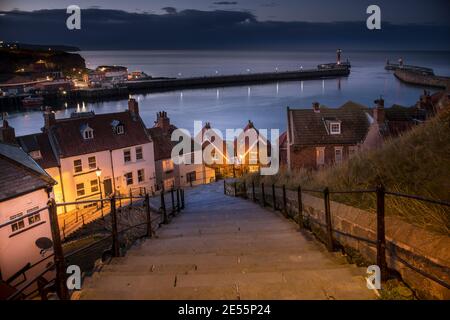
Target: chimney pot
{"points": [[7, 133], [49, 118], [162, 121], [378, 112], [133, 108]]}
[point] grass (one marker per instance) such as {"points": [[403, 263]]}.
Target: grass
{"points": [[416, 163]]}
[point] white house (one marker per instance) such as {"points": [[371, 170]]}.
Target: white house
{"points": [[25, 232], [94, 155]]}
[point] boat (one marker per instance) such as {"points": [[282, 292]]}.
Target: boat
{"points": [[33, 101]]}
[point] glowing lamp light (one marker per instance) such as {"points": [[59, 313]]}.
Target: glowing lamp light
{"points": [[98, 172]]}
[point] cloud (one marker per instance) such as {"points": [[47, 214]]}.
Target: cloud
{"points": [[170, 10], [218, 29], [225, 3]]}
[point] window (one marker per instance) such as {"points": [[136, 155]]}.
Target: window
{"points": [[92, 163], [119, 129], [34, 218], [320, 156], [129, 178], [80, 189], [94, 186], [141, 176], [139, 155], [126, 156], [167, 165], [337, 154], [36, 155], [88, 134], [77, 166], [335, 128], [17, 225], [191, 177], [169, 183], [351, 151]]}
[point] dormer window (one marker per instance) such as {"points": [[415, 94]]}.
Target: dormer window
{"points": [[36, 154], [335, 128], [117, 127], [87, 132]]}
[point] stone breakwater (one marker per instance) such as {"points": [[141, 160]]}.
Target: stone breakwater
{"points": [[415, 78]]}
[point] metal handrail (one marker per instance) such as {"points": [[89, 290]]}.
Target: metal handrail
{"points": [[420, 198]]}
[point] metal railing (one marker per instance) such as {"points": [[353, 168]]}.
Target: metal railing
{"points": [[240, 189], [58, 282]]}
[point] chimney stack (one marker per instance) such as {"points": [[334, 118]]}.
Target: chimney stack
{"points": [[7, 133], [133, 108], [378, 111], [49, 118], [316, 107], [207, 125], [162, 121]]}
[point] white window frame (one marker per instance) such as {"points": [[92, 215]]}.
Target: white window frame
{"points": [[92, 165], [94, 186], [77, 166], [141, 175], [341, 152], [128, 178], [352, 150], [320, 156], [167, 165], [18, 225], [140, 152], [120, 129], [80, 190], [88, 134], [125, 157], [334, 123]]}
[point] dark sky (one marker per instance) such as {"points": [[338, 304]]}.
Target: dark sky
{"points": [[219, 24]]}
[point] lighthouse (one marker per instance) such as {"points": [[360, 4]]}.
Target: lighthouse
{"points": [[338, 58]]}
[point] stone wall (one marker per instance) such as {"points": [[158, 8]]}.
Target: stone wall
{"points": [[355, 229]]}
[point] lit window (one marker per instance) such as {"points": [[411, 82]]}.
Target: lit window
{"points": [[92, 163], [169, 184], [94, 186], [139, 155], [17, 225], [338, 154], [126, 155], [80, 189], [36, 155], [320, 155], [34, 218], [129, 178], [77, 166], [167, 165], [335, 128], [141, 176]]}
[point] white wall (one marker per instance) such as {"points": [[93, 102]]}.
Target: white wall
{"points": [[18, 248]]}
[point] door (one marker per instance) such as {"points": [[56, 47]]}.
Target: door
{"points": [[108, 187]]}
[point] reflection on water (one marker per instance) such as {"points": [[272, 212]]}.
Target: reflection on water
{"points": [[265, 105]]}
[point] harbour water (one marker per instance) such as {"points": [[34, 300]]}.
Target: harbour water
{"points": [[265, 105]]}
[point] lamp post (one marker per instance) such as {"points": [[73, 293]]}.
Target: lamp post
{"points": [[98, 172]]}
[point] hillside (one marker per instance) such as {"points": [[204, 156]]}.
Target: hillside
{"points": [[416, 163]]}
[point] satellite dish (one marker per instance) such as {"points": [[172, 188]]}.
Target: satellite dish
{"points": [[44, 243]]}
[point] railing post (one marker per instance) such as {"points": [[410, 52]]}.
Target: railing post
{"points": [[115, 233], [245, 189], [182, 199], [300, 206], [60, 265], [274, 198], [163, 207], [253, 191], [329, 231], [224, 186], [149, 217], [381, 234], [235, 189], [131, 197], [285, 202], [173, 201], [263, 195], [178, 200]]}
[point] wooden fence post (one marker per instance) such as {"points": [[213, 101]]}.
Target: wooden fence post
{"points": [[274, 198], [329, 231], [131, 197], [149, 218], [163, 208], [300, 207], [115, 233], [245, 189], [235, 189], [60, 265], [263, 195], [285, 202], [224, 187], [253, 191], [381, 235], [182, 199], [173, 201], [178, 200]]}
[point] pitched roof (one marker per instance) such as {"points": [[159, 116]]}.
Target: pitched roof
{"points": [[41, 142], [20, 173], [66, 136], [400, 113], [307, 127]]}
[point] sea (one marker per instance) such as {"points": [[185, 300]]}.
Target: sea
{"points": [[265, 105]]}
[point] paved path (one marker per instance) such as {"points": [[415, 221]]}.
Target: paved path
{"points": [[222, 247]]}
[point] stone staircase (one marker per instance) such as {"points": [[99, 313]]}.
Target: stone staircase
{"points": [[222, 247]]}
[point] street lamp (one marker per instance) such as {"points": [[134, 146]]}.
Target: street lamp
{"points": [[98, 172]]}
